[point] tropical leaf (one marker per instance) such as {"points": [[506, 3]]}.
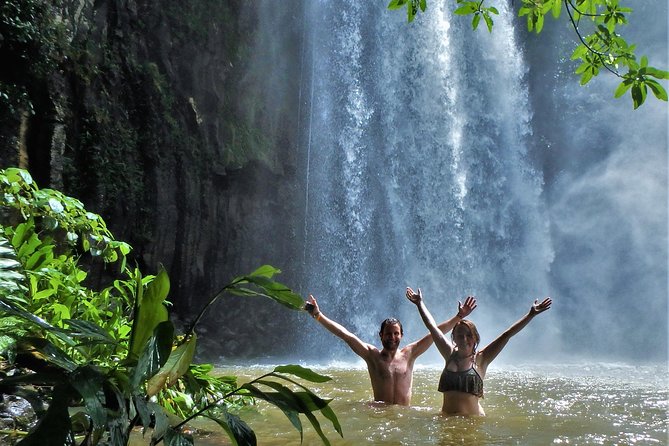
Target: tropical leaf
{"points": [[266, 287], [89, 330], [14, 309], [284, 402], [41, 349], [302, 372], [177, 364], [657, 89], [151, 413], [396, 4], [89, 384], [150, 310], [239, 432], [154, 355], [12, 278]]}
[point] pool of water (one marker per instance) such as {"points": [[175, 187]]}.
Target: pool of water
{"points": [[569, 404]]}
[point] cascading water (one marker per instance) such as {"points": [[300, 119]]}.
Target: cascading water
{"points": [[464, 162], [418, 172]]}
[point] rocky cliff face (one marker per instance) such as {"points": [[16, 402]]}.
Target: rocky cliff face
{"points": [[143, 111]]}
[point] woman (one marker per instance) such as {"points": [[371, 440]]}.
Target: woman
{"points": [[462, 379]]}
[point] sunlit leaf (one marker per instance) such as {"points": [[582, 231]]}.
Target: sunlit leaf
{"points": [[657, 89], [150, 311], [463, 10], [177, 364], [556, 9], [265, 271], [10, 307], [475, 21], [56, 205], [488, 22], [396, 4], [659, 74], [623, 87], [302, 372]]}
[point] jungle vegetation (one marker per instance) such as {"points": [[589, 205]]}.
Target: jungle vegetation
{"points": [[87, 339]]}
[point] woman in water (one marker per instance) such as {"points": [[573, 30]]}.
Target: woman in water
{"points": [[461, 381]]}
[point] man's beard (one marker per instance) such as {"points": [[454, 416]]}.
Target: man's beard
{"points": [[389, 344]]}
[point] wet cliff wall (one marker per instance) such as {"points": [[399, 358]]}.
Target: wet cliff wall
{"points": [[139, 109]]}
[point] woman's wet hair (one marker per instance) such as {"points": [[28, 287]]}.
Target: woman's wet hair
{"points": [[472, 329], [391, 321]]}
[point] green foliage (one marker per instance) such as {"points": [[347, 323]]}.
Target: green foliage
{"points": [[477, 10], [412, 7], [32, 43], [601, 47], [120, 372]]}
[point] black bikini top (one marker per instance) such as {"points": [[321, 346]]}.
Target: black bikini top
{"points": [[468, 381]]}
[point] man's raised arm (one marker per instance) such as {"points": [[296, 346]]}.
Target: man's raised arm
{"points": [[359, 347]]}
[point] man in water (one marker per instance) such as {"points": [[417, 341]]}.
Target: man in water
{"points": [[390, 369]]}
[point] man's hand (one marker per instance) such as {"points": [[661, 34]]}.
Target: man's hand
{"points": [[414, 297], [465, 309], [312, 306], [540, 307]]}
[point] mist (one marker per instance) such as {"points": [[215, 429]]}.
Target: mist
{"points": [[470, 163]]}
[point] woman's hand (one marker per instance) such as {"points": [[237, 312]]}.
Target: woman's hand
{"points": [[540, 307], [465, 309], [311, 306], [414, 297]]}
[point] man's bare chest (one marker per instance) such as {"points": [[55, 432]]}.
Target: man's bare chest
{"points": [[392, 369]]}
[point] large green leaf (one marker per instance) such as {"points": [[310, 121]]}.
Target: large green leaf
{"points": [[177, 364], [90, 331], [154, 355], [239, 432], [42, 349], [11, 276], [305, 403], [150, 310], [150, 412], [88, 381], [302, 372], [12, 308], [266, 287], [279, 399], [308, 401]]}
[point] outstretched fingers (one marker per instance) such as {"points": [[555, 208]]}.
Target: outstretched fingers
{"points": [[413, 296], [543, 306], [311, 305], [465, 309]]}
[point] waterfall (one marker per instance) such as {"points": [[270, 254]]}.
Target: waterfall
{"points": [[418, 171], [467, 163]]}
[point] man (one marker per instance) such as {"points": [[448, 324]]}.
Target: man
{"points": [[390, 369]]}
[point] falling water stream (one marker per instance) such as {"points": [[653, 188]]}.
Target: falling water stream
{"points": [[422, 167], [417, 167]]}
